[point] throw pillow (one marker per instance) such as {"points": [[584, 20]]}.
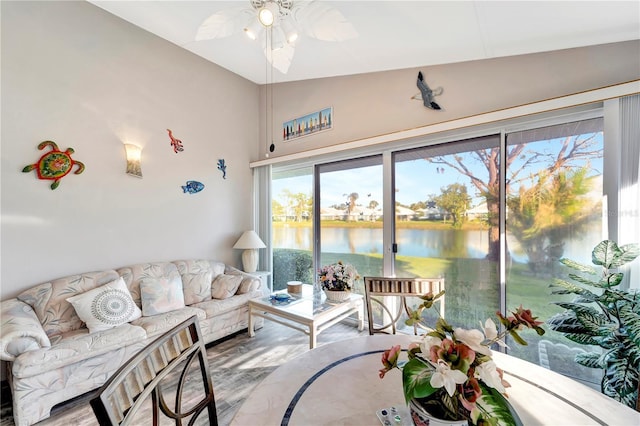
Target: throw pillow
{"points": [[106, 307], [160, 295], [197, 287], [225, 286]]}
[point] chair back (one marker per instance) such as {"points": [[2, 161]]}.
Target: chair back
{"points": [[382, 291], [123, 395]]}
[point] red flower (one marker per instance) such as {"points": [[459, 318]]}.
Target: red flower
{"points": [[389, 360]]}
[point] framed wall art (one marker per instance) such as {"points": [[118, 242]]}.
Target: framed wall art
{"points": [[308, 124]]}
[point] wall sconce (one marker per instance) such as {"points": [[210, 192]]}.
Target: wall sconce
{"points": [[250, 242], [134, 155]]}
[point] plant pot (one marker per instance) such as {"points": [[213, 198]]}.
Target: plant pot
{"points": [[421, 417], [337, 296]]}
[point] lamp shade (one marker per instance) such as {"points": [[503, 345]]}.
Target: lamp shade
{"points": [[249, 240]]}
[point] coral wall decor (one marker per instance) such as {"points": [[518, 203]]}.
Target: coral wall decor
{"points": [[222, 167], [55, 164], [175, 143]]}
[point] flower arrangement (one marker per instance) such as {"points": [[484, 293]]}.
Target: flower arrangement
{"points": [[451, 373], [338, 276]]}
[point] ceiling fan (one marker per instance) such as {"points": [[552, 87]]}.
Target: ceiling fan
{"points": [[277, 24]]}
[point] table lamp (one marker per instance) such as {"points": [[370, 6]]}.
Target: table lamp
{"points": [[250, 242]]}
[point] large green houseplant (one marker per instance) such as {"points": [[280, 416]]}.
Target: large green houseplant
{"points": [[606, 316]]}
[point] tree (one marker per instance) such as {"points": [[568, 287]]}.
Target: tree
{"points": [[277, 209], [351, 203], [298, 203], [455, 200], [518, 159], [542, 216], [373, 204]]}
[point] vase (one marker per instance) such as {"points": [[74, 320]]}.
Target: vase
{"points": [[421, 417], [337, 295]]}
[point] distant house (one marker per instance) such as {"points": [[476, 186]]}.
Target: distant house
{"points": [[478, 212], [404, 213]]}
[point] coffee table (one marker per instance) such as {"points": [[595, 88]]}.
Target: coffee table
{"points": [[306, 312]]}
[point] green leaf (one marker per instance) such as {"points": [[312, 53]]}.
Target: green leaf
{"points": [[605, 253], [566, 322], [585, 281], [631, 321], [629, 252], [578, 266], [583, 339], [28, 168], [497, 406], [416, 379], [590, 359], [568, 287]]}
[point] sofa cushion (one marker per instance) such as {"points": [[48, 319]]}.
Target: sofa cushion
{"points": [[134, 273], [225, 286], [105, 307], [158, 324], [49, 300], [196, 280], [160, 295], [76, 346], [217, 307]]}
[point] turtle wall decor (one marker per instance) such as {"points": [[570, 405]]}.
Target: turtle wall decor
{"points": [[55, 164]]}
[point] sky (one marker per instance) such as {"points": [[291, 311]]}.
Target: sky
{"points": [[416, 179]]}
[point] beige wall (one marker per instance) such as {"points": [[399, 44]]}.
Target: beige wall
{"points": [[370, 105], [74, 74]]}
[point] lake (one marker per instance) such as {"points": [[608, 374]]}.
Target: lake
{"points": [[449, 243]]}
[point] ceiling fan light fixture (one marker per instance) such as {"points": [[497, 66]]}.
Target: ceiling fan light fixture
{"points": [[268, 13], [253, 29], [290, 32]]}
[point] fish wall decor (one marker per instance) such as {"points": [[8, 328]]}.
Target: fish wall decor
{"points": [[192, 187], [222, 167]]}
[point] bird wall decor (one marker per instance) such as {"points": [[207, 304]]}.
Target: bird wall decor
{"points": [[426, 94]]}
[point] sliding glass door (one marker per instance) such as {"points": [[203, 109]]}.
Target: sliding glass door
{"points": [[292, 226], [351, 215], [446, 223], [554, 201]]}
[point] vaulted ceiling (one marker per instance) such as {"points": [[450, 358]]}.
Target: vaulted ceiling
{"points": [[393, 34]]}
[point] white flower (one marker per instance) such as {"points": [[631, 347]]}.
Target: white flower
{"points": [[491, 332], [445, 376], [473, 339], [427, 342], [489, 375]]}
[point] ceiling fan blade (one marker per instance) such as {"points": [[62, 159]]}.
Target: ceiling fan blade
{"points": [[224, 23], [323, 22], [280, 58]]}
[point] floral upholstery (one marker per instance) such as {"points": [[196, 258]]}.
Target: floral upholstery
{"points": [[49, 300], [53, 356]]}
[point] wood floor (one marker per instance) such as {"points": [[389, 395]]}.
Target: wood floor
{"points": [[237, 365]]}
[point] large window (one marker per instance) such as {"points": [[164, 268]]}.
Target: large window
{"points": [[554, 210], [447, 205], [351, 215], [492, 214], [292, 226]]}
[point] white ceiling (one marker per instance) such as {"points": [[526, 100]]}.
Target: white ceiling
{"points": [[396, 34]]}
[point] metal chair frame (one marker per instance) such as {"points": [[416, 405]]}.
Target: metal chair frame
{"points": [[128, 389], [401, 288]]}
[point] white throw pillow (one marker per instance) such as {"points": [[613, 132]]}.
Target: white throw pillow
{"points": [[160, 295], [225, 286], [106, 307]]}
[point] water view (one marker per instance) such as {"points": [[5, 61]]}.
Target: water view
{"points": [[444, 243]]}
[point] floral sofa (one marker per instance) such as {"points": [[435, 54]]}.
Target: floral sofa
{"points": [[66, 337]]}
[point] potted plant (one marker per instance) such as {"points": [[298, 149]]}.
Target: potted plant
{"points": [[450, 376], [337, 280], [606, 316]]}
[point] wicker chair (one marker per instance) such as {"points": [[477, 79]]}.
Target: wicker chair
{"points": [[149, 373], [378, 289]]}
